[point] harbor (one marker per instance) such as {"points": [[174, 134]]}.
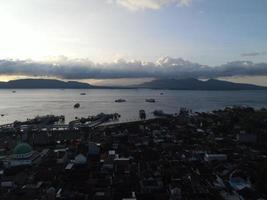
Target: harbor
{"points": [[212, 155], [133, 100]]}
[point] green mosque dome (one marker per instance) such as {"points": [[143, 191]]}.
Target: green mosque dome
{"points": [[22, 149]]}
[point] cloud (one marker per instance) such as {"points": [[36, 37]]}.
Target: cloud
{"points": [[252, 54], [165, 67], [149, 4]]}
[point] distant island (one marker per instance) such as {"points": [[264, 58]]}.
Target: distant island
{"points": [[169, 84], [44, 84], [195, 84]]}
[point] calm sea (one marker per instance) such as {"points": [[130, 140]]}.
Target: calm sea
{"points": [[29, 103]]}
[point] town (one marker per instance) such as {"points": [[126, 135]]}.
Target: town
{"points": [[219, 155]]}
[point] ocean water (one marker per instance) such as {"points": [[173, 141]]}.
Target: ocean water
{"points": [[29, 103]]}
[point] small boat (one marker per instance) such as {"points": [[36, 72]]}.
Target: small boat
{"points": [[151, 100], [142, 114], [77, 105], [161, 93], [120, 100], [83, 93]]}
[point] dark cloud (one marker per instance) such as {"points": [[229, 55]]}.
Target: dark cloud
{"points": [[252, 54], [163, 68]]}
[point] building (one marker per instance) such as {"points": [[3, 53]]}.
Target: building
{"points": [[247, 138], [215, 157], [22, 155]]}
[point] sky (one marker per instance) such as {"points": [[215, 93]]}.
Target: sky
{"points": [[103, 40]]}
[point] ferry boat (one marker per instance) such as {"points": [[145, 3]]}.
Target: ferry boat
{"points": [[142, 114], [150, 100], [77, 105], [120, 100]]}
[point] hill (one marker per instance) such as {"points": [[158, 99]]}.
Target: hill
{"points": [[170, 84], [43, 84], [195, 84]]}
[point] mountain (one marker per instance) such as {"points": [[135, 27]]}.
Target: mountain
{"points": [[43, 84], [195, 84], [171, 84]]}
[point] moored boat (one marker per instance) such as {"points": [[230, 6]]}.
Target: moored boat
{"points": [[142, 114], [77, 105], [120, 100], [150, 100]]}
